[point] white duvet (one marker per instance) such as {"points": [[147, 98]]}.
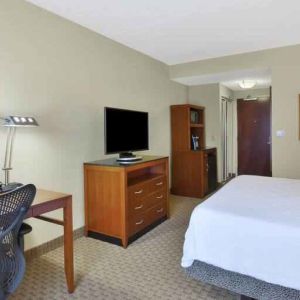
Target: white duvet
{"points": [[250, 226]]}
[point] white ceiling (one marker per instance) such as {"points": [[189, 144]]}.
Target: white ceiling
{"points": [[261, 76], [176, 31]]}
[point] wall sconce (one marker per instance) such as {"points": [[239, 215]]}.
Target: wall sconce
{"points": [[12, 122]]}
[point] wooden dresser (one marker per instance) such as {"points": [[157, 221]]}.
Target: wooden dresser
{"points": [[122, 202]]}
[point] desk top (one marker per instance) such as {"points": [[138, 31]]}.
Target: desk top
{"points": [[112, 162], [46, 201], [43, 196]]}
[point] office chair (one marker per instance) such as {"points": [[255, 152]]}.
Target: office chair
{"points": [[25, 228], [13, 208]]}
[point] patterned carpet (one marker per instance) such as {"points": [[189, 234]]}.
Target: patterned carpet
{"points": [[148, 269]]}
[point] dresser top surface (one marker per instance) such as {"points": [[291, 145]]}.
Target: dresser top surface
{"points": [[112, 162]]}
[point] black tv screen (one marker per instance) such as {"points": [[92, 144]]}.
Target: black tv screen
{"points": [[125, 130]]}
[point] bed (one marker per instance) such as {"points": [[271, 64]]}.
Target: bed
{"points": [[246, 238]]}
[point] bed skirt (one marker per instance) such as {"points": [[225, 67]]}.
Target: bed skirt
{"points": [[240, 284]]}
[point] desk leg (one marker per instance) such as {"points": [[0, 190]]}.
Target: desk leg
{"points": [[68, 244]]}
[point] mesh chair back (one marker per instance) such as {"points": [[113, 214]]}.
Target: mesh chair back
{"points": [[13, 208]]}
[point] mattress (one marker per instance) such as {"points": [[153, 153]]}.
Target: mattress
{"points": [[251, 226]]}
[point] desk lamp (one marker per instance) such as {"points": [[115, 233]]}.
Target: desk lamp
{"points": [[12, 122]]}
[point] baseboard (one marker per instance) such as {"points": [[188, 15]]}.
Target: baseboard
{"points": [[51, 245]]}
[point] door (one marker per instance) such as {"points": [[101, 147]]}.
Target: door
{"points": [[254, 137]]}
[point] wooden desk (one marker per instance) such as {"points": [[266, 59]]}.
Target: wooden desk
{"points": [[46, 201]]}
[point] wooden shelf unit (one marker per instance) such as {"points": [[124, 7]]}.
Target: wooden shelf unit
{"points": [[191, 173], [122, 202], [184, 126]]}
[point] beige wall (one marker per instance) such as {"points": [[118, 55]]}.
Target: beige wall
{"points": [[209, 95], [285, 68], [64, 75]]}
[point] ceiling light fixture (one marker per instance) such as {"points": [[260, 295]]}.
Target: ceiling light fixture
{"points": [[247, 84]]}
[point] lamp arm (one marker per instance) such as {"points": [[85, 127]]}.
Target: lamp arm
{"points": [[8, 152], [8, 138], [12, 139]]}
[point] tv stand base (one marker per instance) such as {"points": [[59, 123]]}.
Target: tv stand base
{"points": [[128, 157]]}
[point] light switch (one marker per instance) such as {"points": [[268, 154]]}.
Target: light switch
{"points": [[280, 133]]}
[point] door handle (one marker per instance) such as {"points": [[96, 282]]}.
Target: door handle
{"points": [[269, 142]]}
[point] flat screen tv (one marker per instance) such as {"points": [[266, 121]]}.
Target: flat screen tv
{"points": [[125, 131]]}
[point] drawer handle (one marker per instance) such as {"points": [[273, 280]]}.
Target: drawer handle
{"points": [[160, 210], [159, 197], [138, 192], [159, 183], [139, 207], [140, 222]]}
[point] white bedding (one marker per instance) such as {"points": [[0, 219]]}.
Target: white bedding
{"points": [[250, 226]]}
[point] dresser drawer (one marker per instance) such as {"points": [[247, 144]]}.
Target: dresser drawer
{"points": [[138, 191], [156, 212], [157, 184], [154, 199], [137, 205], [141, 204], [137, 222]]}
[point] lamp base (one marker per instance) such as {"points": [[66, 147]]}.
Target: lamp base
{"points": [[4, 188]]}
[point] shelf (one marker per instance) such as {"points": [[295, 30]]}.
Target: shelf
{"points": [[187, 121], [144, 178]]}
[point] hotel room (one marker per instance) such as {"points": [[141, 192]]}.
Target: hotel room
{"points": [[149, 149]]}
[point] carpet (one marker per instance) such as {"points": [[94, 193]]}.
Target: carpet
{"points": [[148, 269]]}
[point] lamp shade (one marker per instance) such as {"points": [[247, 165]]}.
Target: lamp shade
{"points": [[19, 121]]}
